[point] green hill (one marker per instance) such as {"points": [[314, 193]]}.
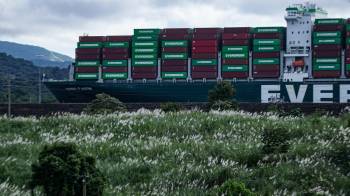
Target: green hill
{"points": [[25, 83]]}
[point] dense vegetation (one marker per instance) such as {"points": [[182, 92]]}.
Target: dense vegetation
{"points": [[25, 84], [190, 153]]}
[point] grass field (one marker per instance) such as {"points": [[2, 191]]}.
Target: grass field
{"points": [[189, 153]]}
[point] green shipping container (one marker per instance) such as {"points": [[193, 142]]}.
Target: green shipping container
{"points": [[146, 31], [86, 76], [204, 62], [235, 68], [144, 63], [266, 42], [327, 60], [145, 37], [329, 21], [144, 50], [115, 63], [269, 30], [89, 45], [235, 49], [348, 41], [334, 34], [347, 67], [145, 44], [347, 27], [266, 61], [235, 55], [145, 56], [174, 75], [326, 67], [326, 41], [116, 44], [275, 48], [87, 63], [175, 43], [114, 75], [174, 56]]}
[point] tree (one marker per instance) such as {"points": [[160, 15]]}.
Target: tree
{"points": [[61, 170], [170, 107], [221, 96], [104, 104], [233, 188]]}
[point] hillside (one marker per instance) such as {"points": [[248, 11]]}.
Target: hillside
{"points": [[189, 153], [25, 84], [39, 56]]}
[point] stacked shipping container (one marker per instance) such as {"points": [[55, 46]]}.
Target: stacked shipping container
{"points": [[115, 55], [88, 57], [235, 52], [327, 47], [175, 53], [347, 49], [205, 44], [145, 53], [267, 45]]}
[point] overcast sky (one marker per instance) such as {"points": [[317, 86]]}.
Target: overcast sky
{"points": [[56, 24]]}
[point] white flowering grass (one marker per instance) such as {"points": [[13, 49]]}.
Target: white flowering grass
{"points": [[185, 153]]}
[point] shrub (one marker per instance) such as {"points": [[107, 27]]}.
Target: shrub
{"points": [[295, 112], [61, 170], [275, 140], [223, 91], [170, 107], [104, 104], [233, 188], [223, 105]]}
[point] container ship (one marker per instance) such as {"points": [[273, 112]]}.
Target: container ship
{"points": [[308, 61]]}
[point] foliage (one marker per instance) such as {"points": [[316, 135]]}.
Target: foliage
{"points": [[104, 104], [233, 188], [275, 140], [223, 105], [170, 107], [61, 170], [223, 91]]}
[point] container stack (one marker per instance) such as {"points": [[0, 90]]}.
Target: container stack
{"points": [[235, 52], [145, 53], [327, 47], [115, 53], [267, 45], [175, 53], [88, 57], [347, 49], [205, 44]]}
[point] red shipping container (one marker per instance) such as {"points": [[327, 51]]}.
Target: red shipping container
{"points": [[235, 61], [348, 34], [174, 62], [206, 30], [181, 31], [86, 69], [204, 55], [271, 74], [144, 76], [327, 47], [328, 27], [175, 50], [348, 21], [264, 68], [237, 29], [197, 43], [175, 37], [92, 39], [204, 50], [115, 56], [145, 69], [87, 57], [121, 38], [124, 51], [88, 51], [201, 75], [257, 55], [242, 42], [205, 36], [327, 54], [267, 36], [230, 36], [114, 69], [180, 68], [227, 75], [326, 74], [204, 68]]}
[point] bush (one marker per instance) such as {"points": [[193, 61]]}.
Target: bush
{"points": [[170, 107], [233, 188], [275, 140], [61, 170], [223, 91], [223, 105], [104, 104]]}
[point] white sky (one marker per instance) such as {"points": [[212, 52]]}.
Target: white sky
{"points": [[56, 24]]}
